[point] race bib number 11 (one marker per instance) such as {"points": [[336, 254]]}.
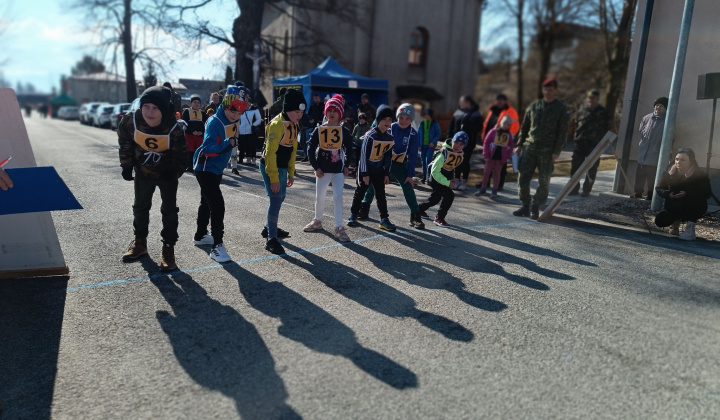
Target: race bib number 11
{"points": [[290, 134]]}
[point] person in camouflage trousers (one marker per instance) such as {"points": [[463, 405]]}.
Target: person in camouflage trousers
{"points": [[591, 124], [542, 137]]}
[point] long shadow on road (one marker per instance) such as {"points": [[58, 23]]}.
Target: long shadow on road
{"points": [[31, 317], [307, 323], [219, 349], [374, 294]]}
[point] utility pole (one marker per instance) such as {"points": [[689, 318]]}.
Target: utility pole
{"points": [[671, 116]]}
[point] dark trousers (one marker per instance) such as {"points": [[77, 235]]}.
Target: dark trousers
{"points": [[378, 183], [440, 194], [144, 190], [503, 174], [246, 146], [645, 174], [463, 171], [212, 206], [580, 153]]}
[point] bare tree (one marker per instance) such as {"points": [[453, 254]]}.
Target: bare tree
{"points": [[87, 65], [550, 18], [116, 20], [617, 48], [247, 28], [517, 9]]}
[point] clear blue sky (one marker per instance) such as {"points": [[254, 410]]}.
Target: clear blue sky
{"points": [[43, 42]]}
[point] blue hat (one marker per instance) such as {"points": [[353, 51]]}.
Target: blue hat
{"points": [[462, 137], [232, 94]]}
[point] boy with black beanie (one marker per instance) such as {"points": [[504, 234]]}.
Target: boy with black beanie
{"points": [[374, 168], [277, 165], [153, 144]]}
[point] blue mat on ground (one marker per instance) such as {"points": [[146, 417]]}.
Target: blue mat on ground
{"points": [[36, 189]]}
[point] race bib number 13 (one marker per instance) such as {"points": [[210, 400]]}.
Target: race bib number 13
{"points": [[330, 138], [379, 148], [290, 134]]}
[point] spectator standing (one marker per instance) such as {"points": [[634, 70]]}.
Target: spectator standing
{"points": [[176, 100], [496, 112], [429, 134], [591, 123], [468, 119], [651, 132], [366, 107], [542, 136]]}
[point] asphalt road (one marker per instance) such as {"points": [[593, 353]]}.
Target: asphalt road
{"points": [[496, 317]]}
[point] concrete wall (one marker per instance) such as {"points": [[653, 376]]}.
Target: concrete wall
{"points": [[382, 51], [693, 116]]}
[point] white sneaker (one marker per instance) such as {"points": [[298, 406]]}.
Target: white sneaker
{"points": [[219, 254], [206, 240], [689, 233], [463, 185], [313, 226]]}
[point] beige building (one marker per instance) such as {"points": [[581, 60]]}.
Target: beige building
{"points": [[427, 49], [97, 87], [693, 115]]}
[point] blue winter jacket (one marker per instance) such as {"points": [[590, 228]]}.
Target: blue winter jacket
{"points": [[405, 147], [214, 152]]}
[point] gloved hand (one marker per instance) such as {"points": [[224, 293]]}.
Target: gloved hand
{"points": [[662, 193], [127, 174]]}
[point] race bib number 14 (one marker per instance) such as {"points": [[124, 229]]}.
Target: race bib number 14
{"points": [[379, 148]]}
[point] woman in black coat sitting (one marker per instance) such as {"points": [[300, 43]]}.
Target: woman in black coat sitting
{"points": [[686, 189]]}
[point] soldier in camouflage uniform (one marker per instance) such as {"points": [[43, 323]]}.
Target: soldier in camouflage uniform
{"points": [[591, 124], [153, 144], [541, 139]]}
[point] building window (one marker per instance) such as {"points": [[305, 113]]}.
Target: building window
{"points": [[418, 47]]}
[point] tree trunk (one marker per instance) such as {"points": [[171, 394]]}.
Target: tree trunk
{"points": [[521, 52], [130, 88], [246, 28], [618, 64]]}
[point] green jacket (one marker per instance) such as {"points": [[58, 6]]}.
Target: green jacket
{"points": [[591, 125], [545, 126]]}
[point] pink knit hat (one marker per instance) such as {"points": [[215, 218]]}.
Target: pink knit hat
{"points": [[337, 103]]}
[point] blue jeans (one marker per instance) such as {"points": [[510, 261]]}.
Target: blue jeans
{"points": [[276, 199]]}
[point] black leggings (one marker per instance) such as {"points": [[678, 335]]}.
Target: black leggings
{"points": [[440, 194], [212, 206], [246, 146], [378, 183], [463, 171]]}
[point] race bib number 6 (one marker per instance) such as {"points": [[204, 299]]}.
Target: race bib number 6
{"points": [[330, 138], [152, 143], [453, 161], [379, 148], [290, 134]]}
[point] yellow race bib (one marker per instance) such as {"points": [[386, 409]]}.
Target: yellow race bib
{"points": [[501, 139], [195, 114], [452, 161], [291, 134], [379, 148], [152, 142], [398, 158], [231, 130], [330, 137]]}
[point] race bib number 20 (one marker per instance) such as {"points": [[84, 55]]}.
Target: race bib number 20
{"points": [[453, 161]]}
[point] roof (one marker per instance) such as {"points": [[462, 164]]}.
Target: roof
{"points": [[63, 99], [104, 76], [331, 74]]}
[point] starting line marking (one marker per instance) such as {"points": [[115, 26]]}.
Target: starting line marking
{"points": [[270, 257]]}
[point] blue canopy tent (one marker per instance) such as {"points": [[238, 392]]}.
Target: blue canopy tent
{"points": [[329, 78]]}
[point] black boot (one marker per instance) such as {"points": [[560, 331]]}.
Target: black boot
{"points": [[523, 211], [364, 212], [535, 212], [416, 221]]}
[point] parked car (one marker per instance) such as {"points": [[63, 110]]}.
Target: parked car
{"points": [[82, 113], [68, 112], [87, 118], [103, 115], [135, 105], [118, 112]]}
